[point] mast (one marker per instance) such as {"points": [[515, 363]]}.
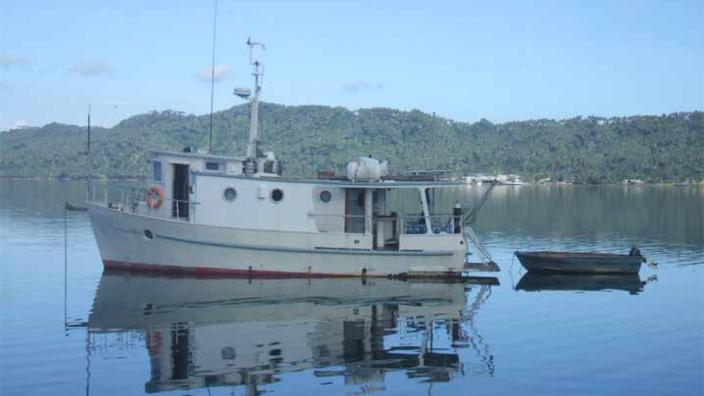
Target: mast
{"points": [[89, 156], [258, 73], [88, 142], [212, 80]]}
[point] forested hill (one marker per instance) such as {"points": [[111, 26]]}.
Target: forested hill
{"points": [[591, 150]]}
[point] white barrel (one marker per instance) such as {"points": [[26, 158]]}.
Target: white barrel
{"points": [[367, 169], [352, 167]]}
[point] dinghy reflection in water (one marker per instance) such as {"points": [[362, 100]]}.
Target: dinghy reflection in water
{"points": [[231, 332], [581, 282]]}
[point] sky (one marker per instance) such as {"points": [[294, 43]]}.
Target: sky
{"points": [[465, 60]]}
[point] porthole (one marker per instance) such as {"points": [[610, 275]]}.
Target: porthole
{"points": [[277, 195], [230, 194], [325, 196], [148, 234], [229, 353]]}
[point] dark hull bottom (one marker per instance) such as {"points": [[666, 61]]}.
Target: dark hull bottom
{"points": [[201, 271], [580, 263]]}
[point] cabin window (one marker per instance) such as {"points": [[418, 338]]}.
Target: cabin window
{"points": [[213, 166], [156, 171], [268, 166], [325, 196], [277, 195], [230, 194]]}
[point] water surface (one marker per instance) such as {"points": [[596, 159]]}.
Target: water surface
{"points": [[116, 333]]}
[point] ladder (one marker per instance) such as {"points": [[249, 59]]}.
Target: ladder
{"points": [[470, 218], [470, 235]]}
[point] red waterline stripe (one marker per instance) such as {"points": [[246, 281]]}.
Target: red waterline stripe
{"points": [[218, 272]]}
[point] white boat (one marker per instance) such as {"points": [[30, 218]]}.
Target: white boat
{"points": [[509, 180], [212, 214]]}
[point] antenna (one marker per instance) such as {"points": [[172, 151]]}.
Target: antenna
{"points": [[251, 45], [212, 80], [88, 142], [258, 73], [89, 173]]}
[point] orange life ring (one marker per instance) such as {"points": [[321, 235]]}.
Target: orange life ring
{"points": [[155, 197]]}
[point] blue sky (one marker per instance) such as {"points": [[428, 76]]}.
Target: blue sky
{"points": [[467, 60]]}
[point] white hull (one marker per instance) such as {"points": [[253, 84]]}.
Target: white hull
{"points": [[181, 246]]}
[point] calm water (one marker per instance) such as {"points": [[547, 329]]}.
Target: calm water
{"points": [[183, 336]]}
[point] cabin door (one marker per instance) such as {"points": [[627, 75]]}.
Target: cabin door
{"points": [[179, 207], [354, 210]]}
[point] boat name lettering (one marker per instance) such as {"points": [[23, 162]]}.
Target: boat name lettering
{"points": [[126, 230]]}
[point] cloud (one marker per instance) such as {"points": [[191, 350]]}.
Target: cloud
{"points": [[90, 68], [19, 124], [8, 61], [221, 71], [361, 86]]}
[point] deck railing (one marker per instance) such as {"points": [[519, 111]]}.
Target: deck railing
{"points": [[133, 200], [443, 223], [348, 222]]}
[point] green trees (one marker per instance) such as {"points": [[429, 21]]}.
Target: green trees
{"points": [[587, 150]]}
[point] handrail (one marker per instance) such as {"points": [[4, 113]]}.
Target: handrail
{"points": [[164, 210], [367, 218], [311, 214], [472, 236], [440, 224], [133, 199]]}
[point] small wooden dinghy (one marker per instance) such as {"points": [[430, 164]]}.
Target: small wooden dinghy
{"points": [[584, 263]]}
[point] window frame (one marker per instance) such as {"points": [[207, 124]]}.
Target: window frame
{"points": [[217, 163], [328, 194], [224, 194], [271, 195], [157, 171]]}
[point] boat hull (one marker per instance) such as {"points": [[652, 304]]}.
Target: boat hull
{"points": [[583, 263], [183, 247]]}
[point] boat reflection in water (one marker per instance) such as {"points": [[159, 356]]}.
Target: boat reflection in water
{"points": [[229, 332], [582, 282]]}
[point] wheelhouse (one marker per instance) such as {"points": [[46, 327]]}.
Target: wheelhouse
{"points": [[383, 214]]}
